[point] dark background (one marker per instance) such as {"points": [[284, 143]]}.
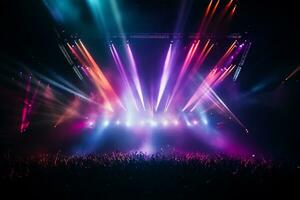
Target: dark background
{"points": [[271, 112]]}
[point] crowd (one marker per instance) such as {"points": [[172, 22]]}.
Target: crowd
{"points": [[142, 176]]}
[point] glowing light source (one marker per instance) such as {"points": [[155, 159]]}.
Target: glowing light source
{"points": [[91, 123], [195, 122], [165, 122], [176, 122], [142, 122], [106, 123], [128, 123], [153, 123]]}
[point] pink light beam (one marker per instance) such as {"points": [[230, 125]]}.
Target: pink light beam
{"points": [[165, 76], [134, 74]]}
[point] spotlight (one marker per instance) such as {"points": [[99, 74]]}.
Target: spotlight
{"points": [[153, 123], [142, 123], [176, 122], [195, 122], [91, 123], [106, 123], [128, 124], [118, 122], [165, 122]]}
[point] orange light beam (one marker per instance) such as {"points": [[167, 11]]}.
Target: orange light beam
{"points": [[293, 73], [204, 19], [103, 81]]}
